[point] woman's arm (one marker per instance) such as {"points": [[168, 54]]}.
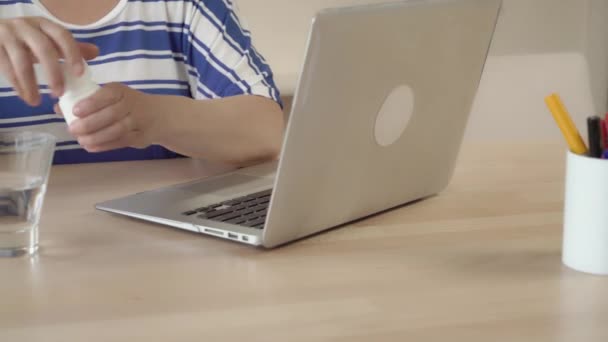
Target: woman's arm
{"points": [[240, 130]]}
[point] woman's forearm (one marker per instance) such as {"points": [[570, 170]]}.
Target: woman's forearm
{"points": [[239, 130]]}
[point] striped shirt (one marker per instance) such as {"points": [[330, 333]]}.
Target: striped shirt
{"points": [[193, 48]]}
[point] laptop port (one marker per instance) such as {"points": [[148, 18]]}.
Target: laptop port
{"points": [[233, 236], [245, 238], [213, 231]]}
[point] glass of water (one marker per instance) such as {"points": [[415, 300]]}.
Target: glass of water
{"points": [[25, 162]]}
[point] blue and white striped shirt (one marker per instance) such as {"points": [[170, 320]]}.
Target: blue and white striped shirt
{"points": [[194, 48]]}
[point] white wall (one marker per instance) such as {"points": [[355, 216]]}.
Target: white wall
{"points": [[540, 46]]}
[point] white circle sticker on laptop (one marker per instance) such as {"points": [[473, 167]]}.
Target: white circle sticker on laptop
{"points": [[394, 115]]}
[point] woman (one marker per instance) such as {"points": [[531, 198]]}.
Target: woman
{"points": [[180, 77]]}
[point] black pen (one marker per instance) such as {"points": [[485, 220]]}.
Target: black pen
{"points": [[595, 136]]}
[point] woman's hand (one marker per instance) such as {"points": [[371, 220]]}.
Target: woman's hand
{"points": [[113, 117], [29, 40]]}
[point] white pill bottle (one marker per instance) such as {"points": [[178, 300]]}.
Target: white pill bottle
{"points": [[76, 89]]}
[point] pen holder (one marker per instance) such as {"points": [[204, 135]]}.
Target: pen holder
{"points": [[585, 242]]}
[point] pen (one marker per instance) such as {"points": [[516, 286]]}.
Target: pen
{"points": [[565, 124], [595, 137], [604, 134], [604, 126]]}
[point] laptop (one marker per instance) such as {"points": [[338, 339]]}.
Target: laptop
{"points": [[377, 121]]}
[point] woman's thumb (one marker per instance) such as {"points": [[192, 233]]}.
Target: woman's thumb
{"points": [[89, 51]]}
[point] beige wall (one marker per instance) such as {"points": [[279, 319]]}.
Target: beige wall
{"points": [[540, 46], [280, 29]]}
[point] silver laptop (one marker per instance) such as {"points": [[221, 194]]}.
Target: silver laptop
{"points": [[377, 122]]}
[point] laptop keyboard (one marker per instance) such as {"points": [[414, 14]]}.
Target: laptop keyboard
{"points": [[248, 211]]}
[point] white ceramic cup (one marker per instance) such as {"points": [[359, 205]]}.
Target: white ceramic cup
{"points": [[585, 242]]}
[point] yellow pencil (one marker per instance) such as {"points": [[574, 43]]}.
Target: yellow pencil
{"points": [[565, 124]]}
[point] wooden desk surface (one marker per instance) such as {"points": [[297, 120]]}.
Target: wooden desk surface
{"points": [[480, 262]]}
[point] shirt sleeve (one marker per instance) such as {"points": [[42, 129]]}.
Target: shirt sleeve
{"points": [[221, 58]]}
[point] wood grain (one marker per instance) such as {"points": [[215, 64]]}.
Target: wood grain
{"points": [[479, 262]]}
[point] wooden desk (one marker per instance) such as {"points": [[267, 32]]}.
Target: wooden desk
{"points": [[480, 262]]}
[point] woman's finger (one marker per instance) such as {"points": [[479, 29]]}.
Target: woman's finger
{"points": [[22, 64], [113, 145], [44, 50], [98, 121], [113, 133], [69, 49], [57, 110], [132, 139], [89, 51], [7, 70], [105, 97]]}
